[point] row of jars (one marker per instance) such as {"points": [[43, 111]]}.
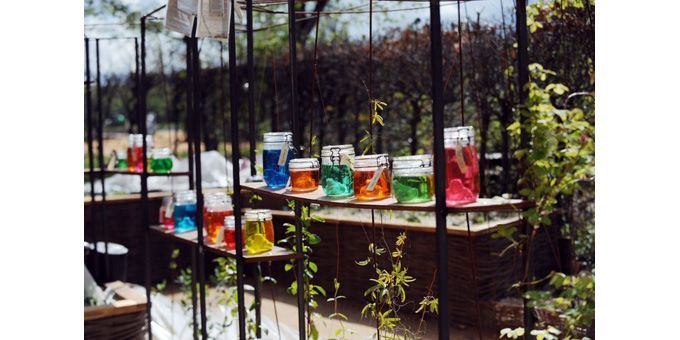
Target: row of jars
{"points": [[178, 214], [159, 160], [342, 174]]}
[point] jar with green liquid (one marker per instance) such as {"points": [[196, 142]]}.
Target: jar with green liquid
{"points": [[413, 179], [161, 160], [337, 165]]}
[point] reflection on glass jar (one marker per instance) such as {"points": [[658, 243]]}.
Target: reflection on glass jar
{"points": [[462, 166], [217, 207], [337, 163], [258, 233], [372, 177], [184, 213], [278, 151], [161, 160], [413, 179], [304, 174]]}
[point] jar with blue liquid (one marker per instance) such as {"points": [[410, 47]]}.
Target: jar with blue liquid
{"points": [[184, 213], [277, 152]]}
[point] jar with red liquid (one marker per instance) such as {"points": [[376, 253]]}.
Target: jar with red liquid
{"points": [[165, 214], [462, 166], [217, 206], [131, 154], [229, 233], [372, 179], [304, 174]]}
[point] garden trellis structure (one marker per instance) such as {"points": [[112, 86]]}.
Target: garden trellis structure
{"points": [[196, 240]]}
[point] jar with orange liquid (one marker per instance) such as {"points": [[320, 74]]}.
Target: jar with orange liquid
{"points": [[258, 232], [372, 177], [462, 166], [304, 174], [217, 207]]}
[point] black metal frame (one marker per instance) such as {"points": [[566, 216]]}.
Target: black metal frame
{"points": [[194, 135]]}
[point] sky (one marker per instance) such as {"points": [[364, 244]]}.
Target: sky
{"points": [[117, 56]]}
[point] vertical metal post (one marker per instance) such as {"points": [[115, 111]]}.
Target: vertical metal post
{"points": [[439, 169], [144, 189], [235, 156], [252, 134], [90, 152], [102, 166], [297, 141], [523, 79], [138, 107], [190, 159], [196, 68]]}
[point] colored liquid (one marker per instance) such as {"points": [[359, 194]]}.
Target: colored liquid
{"points": [[161, 165], [214, 220], [135, 159], [230, 238], [185, 217], [413, 189], [263, 229], [131, 159], [274, 175], [122, 164], [337, 180], [167, 222], [304, 180], [462, 182], [382, 188]]}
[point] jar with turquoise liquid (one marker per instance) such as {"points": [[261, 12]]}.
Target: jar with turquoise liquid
{"points": [[337, 166]]}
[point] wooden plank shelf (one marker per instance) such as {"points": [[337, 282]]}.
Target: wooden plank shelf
{"points": [[191, 238], [126, 172], [318, 197]]}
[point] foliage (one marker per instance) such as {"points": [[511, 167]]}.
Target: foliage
{"points": [[342, 332], [560, 150], [311, 291], [388, 293]]}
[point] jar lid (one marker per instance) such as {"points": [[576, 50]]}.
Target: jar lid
{"points": [[303, 163], [121, 154], [463, 135], [372, 160], [258, 215], [278, 137], [185, 196], [161, 153], [408, 162], [217, 199], [329, 150], [229, 222]]}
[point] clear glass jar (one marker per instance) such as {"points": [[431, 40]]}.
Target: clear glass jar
{"points": [[304, 174], [462, 165], [132, 152], [258, 233], [217, 206], [337, 164], [165, 214], [413, 179], [161, 160], [372, 177], [121, 160], [184, 213], [277, 152], [229, 235]]}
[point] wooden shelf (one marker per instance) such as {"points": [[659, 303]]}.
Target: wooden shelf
{"points": [[191, 238], [317, 196], [126, 172]]}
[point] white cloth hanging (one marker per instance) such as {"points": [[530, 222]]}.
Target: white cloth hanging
{"points": [[178, 20], [213, 19]]}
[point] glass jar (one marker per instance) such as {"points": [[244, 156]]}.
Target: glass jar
{"points": [[217, 206], [372, 177], [161, 160], [278, 151], [258, 233], [165, 215], [135, 158], [184, 213], [304, 174], [131, 152], [121, 160], [462, 165], [229, 235], [413, 179], [337, 164]]}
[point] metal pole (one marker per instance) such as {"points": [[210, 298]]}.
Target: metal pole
{"points": [[144, 189], [251, 85], [130, 129], [90, 152], [235, 156], [102, 166], [199, 187], [439, 169], [297, 141], [190, 159]]}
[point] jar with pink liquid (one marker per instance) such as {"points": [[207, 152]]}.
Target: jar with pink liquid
{"points": [[462, 166]]}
